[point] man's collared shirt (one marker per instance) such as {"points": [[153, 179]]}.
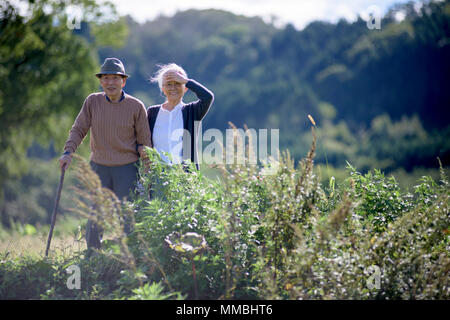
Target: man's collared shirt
{"points": [[121, 97], [168, 133]]}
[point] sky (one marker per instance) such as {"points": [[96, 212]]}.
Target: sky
{"points": [[297, 12]]}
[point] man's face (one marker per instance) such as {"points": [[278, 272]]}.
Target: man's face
{"points": [[112, 84]]}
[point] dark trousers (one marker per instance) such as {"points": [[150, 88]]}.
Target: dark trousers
{"points": [[122, 181]]}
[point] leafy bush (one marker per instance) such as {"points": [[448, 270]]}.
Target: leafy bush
{"points": [[252, 235], [381, 200]]}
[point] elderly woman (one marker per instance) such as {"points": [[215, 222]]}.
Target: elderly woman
{"points": [[174, 124]]}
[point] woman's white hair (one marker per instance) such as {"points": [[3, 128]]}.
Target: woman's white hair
{"points": [[162, 69]]}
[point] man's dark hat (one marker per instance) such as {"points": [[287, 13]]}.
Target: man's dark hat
{"points": [[112, 66]]}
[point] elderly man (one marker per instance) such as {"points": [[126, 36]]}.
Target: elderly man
{"points": [[119, 130]]}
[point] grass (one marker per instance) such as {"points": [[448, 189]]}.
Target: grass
{"points": [[27, 240]]}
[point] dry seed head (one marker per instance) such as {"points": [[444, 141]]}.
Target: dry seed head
{"points": [[312, 120]]}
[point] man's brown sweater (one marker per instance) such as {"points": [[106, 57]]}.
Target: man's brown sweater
{"points": [[116, 129]]}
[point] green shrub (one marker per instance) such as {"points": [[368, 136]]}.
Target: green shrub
{"points": [[250, 235], [381, 200]]}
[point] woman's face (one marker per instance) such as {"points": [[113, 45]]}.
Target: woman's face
{"points": [[172, 89]]}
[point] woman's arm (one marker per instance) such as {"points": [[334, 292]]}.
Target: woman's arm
{"points": [[205, 96]]}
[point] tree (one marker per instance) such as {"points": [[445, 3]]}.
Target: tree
{"points": [[46, 71]]}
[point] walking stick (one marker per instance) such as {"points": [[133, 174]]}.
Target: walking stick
{"points": [[55, 209]]}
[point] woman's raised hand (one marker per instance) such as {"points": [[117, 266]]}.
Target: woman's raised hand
{"points": [[175, 76]]}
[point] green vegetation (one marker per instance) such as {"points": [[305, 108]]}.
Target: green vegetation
{"points": [[46, 71], [379, 96], [375, 197], [252, 236]]}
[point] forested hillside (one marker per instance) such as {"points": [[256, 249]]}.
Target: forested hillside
{"points": [[379, 97], [378, 94]]}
